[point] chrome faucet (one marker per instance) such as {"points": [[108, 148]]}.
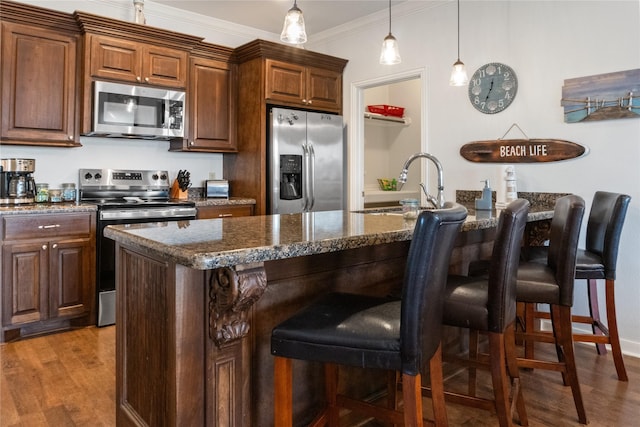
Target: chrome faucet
{"points": [[437, 202]]}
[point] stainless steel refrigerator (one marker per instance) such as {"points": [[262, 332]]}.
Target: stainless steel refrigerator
{"points": [[306, 162]]}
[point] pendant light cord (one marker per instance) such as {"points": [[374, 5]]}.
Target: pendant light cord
{"points": [[390, 16], [458, 30]]}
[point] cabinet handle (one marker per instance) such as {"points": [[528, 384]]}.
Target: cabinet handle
{"points": [[55, 245], [44, 227], [304, 101], [225, 215], [146, 79], [310, 101], [138, 78], [44, 247], [192, 143], [70, 137]]}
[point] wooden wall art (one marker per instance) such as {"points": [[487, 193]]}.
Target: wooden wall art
{"points": [[602, 97], [523, 150]]}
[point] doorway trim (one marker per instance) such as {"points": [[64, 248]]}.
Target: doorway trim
{"points": [[356, 131]]}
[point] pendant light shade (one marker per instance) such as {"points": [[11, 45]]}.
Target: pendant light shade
{"points": [[459, 73], [390, 53], [293, 30]]}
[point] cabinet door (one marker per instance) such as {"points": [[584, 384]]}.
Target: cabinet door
{"points": [[70, 278], [39, 86], [285, 82], [115, 59], [324, 89], [164, 67], [212, 88], [24, 279]]}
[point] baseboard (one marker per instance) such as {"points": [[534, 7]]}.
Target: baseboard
{"points": [[629, 348]]}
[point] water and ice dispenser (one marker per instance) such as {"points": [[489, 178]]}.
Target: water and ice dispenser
{"points": [[290, 177]]}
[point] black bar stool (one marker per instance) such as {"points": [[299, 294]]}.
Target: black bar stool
{"points": [[552, 283], [379, 333], [488, 305], [597, 261]]}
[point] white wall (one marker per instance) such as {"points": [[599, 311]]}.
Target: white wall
{"points": [[545, 42]]}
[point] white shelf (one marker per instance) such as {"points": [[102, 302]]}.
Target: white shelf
{"points": [[379, 118]]}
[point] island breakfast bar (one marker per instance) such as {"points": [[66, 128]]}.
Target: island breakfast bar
{"points": [[197, 300]]}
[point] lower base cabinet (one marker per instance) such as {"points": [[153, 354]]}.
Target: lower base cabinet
{"points": [[48, 273]]}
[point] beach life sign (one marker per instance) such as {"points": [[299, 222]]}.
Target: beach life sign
{"points": [[536, 150]]}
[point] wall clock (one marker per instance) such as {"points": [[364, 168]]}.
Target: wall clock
{"points": [[493, 87]]}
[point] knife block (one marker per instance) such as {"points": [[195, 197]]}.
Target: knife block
{"points": [[177, 193]]}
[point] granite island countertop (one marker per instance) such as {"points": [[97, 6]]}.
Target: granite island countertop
{"points": [[214, 243]]}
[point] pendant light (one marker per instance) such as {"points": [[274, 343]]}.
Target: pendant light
{"points": [[293, 30], [390, 53], [459, 73]]}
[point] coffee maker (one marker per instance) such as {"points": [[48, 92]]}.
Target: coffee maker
{"points": [[17, 185]]}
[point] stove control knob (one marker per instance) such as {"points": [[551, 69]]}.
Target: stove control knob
{"points": [[163, 177], [154, 176], [98, 175], [87, 175]]}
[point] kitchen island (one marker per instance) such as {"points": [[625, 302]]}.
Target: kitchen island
{"points": [[197, 300]]}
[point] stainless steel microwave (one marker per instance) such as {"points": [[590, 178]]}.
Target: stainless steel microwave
{"points": [[137, 111]]}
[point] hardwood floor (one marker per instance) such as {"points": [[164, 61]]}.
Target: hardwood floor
{"points": [[67, 379]]}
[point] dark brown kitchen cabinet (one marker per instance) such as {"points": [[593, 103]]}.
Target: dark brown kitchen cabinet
{"points": [[122, 51], [273, 74], [212, 95], [303, 86], [48, 272], [224, 211], [40, 90], [123, 60]]}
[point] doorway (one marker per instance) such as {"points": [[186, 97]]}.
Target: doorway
{"points": [[382, 146]]}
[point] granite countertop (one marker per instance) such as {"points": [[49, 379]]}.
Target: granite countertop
{"points": [[213, 243], [47, 208], [203, 201]]}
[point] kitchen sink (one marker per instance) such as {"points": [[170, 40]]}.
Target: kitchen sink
{"points": [[386, 211]]}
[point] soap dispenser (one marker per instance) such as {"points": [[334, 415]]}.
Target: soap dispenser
{"points": [[484, 203]]}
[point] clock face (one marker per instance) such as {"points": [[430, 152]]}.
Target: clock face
{"points": [[492, 88]]}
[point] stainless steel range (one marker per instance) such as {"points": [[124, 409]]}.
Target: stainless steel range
{"points": [[125, 197]]}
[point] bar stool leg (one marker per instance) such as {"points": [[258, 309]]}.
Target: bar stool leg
{"points": [[514, 373], [283, 394], [562, 315], [616, 350], [499, 378], [594, 313]]}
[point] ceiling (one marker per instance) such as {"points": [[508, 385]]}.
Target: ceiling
{"points": [[268, 15]]}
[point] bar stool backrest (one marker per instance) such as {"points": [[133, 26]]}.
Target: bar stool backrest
{"points": [[425, 277], [604, 228], [563, 244]]}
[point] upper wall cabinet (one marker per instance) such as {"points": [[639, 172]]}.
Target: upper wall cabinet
{"points": [[123, 51], [211, 108], [39, 85], [307, 87], [275, 74], [123, 60]]}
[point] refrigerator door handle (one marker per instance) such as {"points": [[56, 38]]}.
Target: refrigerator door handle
{"points": [[311, 178], [305, 177]]}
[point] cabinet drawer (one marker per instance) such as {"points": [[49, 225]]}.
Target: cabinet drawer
{"points": [[207, 212], [22, 227]]}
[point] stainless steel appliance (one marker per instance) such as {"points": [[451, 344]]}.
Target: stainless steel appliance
{"points": [[17, 186], [306, 167], [125, 197], [137, 111]]}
